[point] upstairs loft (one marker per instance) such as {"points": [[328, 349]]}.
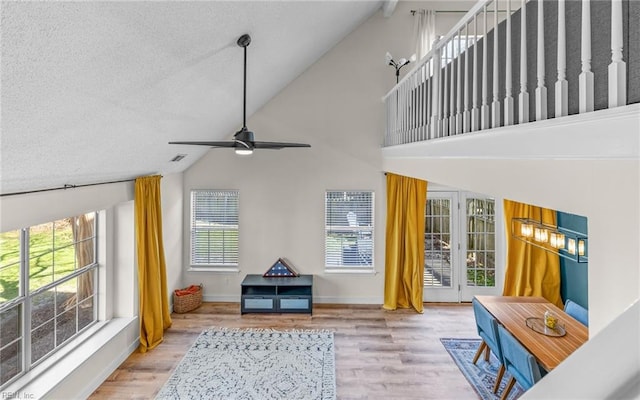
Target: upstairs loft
{"points": [[559, 80]]}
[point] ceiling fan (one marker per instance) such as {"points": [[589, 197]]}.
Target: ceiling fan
{"points": [[243, 142]]}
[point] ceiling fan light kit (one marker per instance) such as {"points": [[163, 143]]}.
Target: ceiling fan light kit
{"points": [[243, 141]]}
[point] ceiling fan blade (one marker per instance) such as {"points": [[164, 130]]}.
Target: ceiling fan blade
{"points": [[277, 145], [211, 144]]}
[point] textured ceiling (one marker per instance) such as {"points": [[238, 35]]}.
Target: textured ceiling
{"points": [[93, 91]]}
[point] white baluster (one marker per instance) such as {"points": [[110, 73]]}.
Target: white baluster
{"points": [[418, 117], [390, 123], [405, 95], [435, 91], [406, 110], [400, 114], [403, 113], [585, 79], [428, 94], [523, 98], [459, 86], [396, 121], [466, 114], [495, 105], [445, 93], [562, 86], [452, 98], [617, 68], [414, 104], [484, 110], [508, 99], [419, 104], [390, 120], [475, 114], [425, 100], [541, 90]]}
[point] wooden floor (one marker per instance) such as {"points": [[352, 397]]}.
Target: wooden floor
{"points": [[379, 354]]}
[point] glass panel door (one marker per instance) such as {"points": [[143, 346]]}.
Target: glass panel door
{"points": [[460, 245], [479, 247], [440, 247]]}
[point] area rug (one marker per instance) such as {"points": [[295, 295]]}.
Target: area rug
{"points": [[482, 376], [255, 364]]}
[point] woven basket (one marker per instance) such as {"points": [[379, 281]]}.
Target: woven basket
{"points": [[187, 302]]}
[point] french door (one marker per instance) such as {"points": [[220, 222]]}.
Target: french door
{"points": [[462, 239]]}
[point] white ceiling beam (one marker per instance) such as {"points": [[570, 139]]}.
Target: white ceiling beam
{"points": [[388, 7]]}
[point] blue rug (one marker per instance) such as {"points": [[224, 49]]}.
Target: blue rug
{"points": [[483, 375]]}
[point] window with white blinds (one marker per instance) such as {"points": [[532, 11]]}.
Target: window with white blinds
{"points": [[349, 229], [214, 228]]}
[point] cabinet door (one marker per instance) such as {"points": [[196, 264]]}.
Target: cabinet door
{"points": [[258, 303], [294, 303]]}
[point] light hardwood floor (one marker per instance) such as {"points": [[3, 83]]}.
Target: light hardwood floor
{"points": [[379, 354]]}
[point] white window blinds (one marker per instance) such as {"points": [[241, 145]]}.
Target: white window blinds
{"points": [[349, 229], [214, 228]]}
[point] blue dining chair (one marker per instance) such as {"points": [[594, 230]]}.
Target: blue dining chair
{"points": [[577, 311], [488, 331], [522, 366]]}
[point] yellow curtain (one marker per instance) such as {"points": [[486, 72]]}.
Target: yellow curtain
{"points": [[152, 277], [531, 271], [404, 258]]}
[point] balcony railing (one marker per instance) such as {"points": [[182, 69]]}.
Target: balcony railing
{"points": [[512, 62]]}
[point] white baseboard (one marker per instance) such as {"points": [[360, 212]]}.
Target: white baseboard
{"points": [[221, 299], [316, 299], [348, 300]]}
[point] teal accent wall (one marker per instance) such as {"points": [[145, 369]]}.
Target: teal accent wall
{"points": [[573, 275]]}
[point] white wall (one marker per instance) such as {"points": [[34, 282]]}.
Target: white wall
{"points": [[172, 212], [336, 107], [21, 211]]}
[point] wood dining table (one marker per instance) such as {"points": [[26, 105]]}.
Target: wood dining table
{"points": [[512, 312]]}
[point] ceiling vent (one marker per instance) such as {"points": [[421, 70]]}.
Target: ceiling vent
{"points": [[178, 157]]}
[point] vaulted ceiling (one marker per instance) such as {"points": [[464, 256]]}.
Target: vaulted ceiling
{"points": [[93, 91]]}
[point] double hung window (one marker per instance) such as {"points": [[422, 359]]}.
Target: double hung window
{"points": [[214, 228], [349, 230]]}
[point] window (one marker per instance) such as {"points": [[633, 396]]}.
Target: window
{"points": [[214, 228], [437, 242], [48, 276], [481, 242], [456, 46], [349, 229]]}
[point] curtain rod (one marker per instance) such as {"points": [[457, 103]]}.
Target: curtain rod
{"points": [[413, 12], [65, 187]]}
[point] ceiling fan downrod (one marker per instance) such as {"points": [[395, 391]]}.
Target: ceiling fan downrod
{"points": [[244, 41], [243, 141]]}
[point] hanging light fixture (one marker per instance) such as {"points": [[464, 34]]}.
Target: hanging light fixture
{"points": [[564, 242]]}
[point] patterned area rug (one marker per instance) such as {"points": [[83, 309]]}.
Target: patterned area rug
{"points": [[482, 376], [255, 364]]}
